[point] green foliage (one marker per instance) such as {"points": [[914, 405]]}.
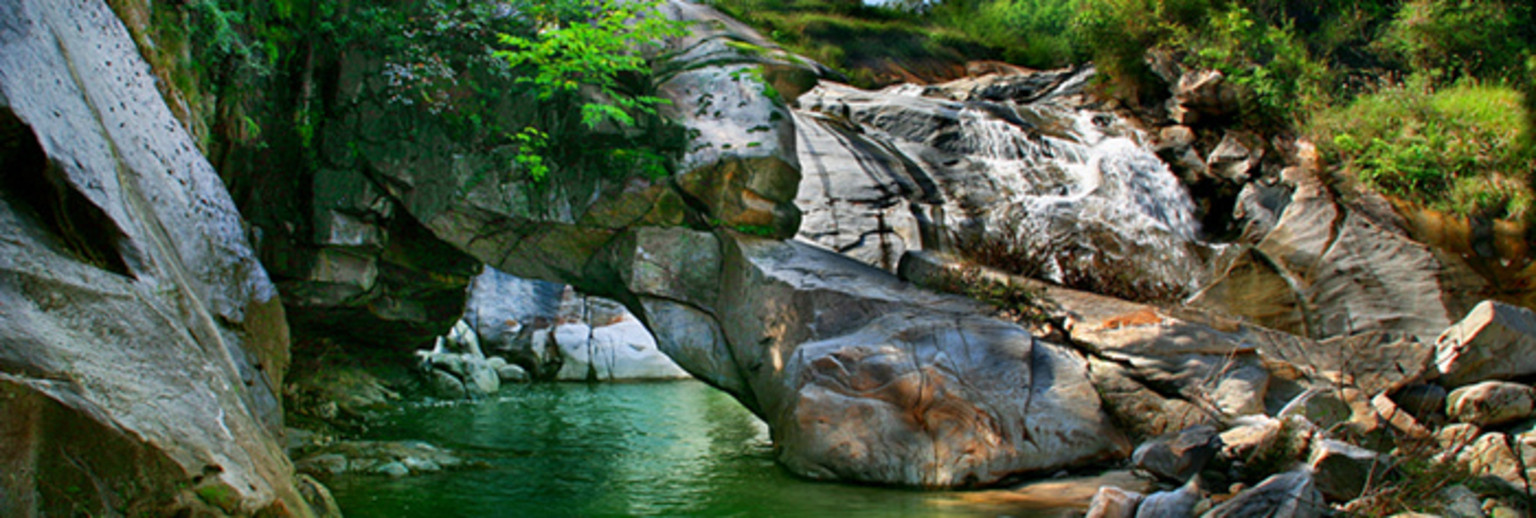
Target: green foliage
{"points": [[1450, 39], [1033, 33], [586, 56], [1271, 66], [1456, 149]]}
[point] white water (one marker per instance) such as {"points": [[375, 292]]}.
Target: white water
{"points": [[1056, 175]]}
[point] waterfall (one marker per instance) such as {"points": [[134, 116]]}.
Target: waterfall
{"points": [[1051, 173]]}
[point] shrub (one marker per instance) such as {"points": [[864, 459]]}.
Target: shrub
{"points": [[1456, 38], [1455, 149]]}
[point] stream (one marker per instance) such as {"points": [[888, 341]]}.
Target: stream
{"points": [[624, 449]]}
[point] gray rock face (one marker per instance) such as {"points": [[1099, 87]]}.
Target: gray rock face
{"points": [[1494, 341], [1491, 403], [1179, 457], [549, 329], [143, 343], [1324, 271], [1343, 472], [915, 168], [1287, 495]]}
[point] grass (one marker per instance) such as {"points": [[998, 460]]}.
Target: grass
{"points": [[1457, 149]]}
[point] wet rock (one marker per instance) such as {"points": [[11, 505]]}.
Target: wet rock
{"points": [[1287, 495], [1178, 502], [445, 385], [1491, 403], [1113, 502], [393, 470], [512, 374], [1343, 472], [1179, 457], [1494, 341]]}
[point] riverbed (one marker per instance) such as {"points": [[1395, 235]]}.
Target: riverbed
{"points": [[624, 449]]}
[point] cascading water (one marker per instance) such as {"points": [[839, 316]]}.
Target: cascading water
{"points": [[1070, 186]]}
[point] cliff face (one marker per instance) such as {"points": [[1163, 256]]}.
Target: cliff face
{"points": [[141, 344]]}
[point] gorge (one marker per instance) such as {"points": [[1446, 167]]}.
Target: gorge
{"points": [[151, 306]]}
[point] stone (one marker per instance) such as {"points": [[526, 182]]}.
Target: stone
{"points": [[1494, 341], [1491, 455], [1178, 502], [143, 341], [1454, 438], [1286, 495], [1491, 403], [1179, 457], [445, 385], [480, 379], [1343, 472], [1250, 436], [1423, 401], [512, 374], [393, 470], [1113, 502], [1234, 161], [1459, 502], [462, 339], [323, 465], [1401, 421], [1206, 92], [1176, 137]]}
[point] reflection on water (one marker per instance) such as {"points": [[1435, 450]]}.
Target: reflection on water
{"points": [[630, 449]]}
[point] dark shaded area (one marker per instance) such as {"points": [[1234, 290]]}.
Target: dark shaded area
{"points": [[41, 193]]}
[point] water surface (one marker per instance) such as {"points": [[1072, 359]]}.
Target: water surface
{"points": [[623, 449]]}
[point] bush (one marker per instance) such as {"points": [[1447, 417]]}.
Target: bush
{"points": [[1456, 149], [1451, 39]]}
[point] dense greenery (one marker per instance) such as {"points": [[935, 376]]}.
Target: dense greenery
{"points": [[1421, 99]]}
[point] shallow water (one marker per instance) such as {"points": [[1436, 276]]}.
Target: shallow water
{"points": [[626, 449]]}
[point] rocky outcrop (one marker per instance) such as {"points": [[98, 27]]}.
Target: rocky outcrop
{"points": [[1021, 162], [144, 344], [549, 330], [859, 376]]}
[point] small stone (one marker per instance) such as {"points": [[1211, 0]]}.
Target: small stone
{"points": [[1176, 137], [1460, 502], [1179, 502], [393, 469], [420, 465], [445, 385], [1491, 403], [1180, 457], [1113, 502], [1251, 436], [1343, 471]]}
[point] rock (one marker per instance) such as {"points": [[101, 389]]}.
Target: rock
{"points": [[1179, 457], [1113, 502], [393, 470], [322, 465], [1250, 436], [1176, 137], [1373, 362], [143, 341], [445, 385], [1343, 472], [1399, 420], [1234, 161], [1423, 401], [1454, 438], [1287, 495], [1178, 502], [512, 374], [1206, 92], [908, 169], [622, 350], [1459, 502], [1494, 341], [462, 339], [1491, 455], [481, 379], [1491, 403], [1147, 413]]}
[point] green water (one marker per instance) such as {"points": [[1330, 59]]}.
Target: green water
{"points": [[628, 449]]}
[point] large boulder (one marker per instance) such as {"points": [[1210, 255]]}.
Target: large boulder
{"points": [[1494, 341], [144, 344]]}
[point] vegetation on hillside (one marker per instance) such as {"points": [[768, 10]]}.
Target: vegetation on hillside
{"points": [[1427, 100]]}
